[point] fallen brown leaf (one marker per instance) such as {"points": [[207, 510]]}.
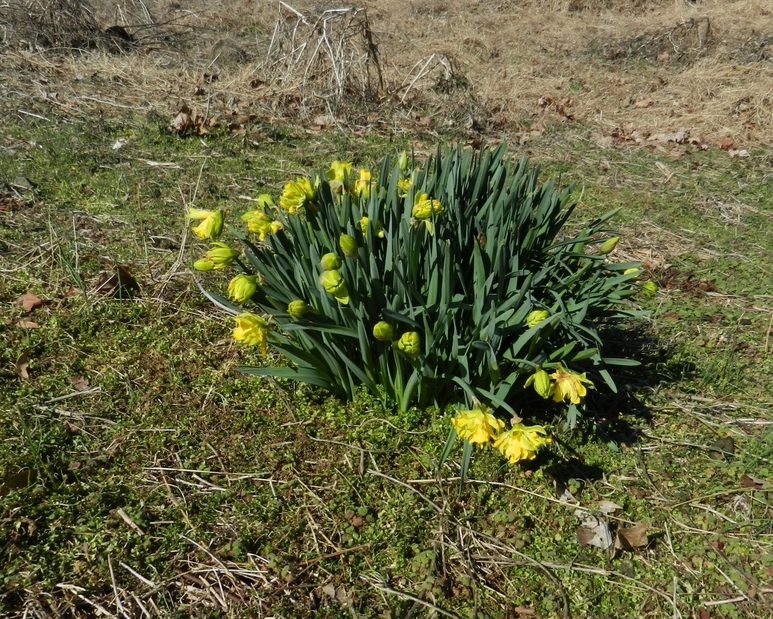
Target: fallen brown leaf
{"points": [[181, 122], [79, 383], [632, 537], [120, 283], [187, 120], [29, 301], [23, 364], [748, 481], [25, 324], [17, 481], [607, 507], [594, 532]]}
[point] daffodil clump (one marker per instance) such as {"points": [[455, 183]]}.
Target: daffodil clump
{"points": [[444, 282]]}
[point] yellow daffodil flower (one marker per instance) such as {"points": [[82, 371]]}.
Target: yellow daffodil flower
{"points": [[361, 187], [297, 194], [536, 317], [252, 330], [337, 176], [633, 271], [338, 171], [334, 283], [477, 426], [211, 223], [424, 209], [649, 288], [379, 232], [569, 385], [541, 382], [261, 224], [265, 200], [404, 185], [521, 442], [242, 287]]}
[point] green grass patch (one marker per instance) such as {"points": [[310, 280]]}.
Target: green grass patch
{"points": [[138, 469]]}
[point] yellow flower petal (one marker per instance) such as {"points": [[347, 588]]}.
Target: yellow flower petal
{"points": [[477, 426]]}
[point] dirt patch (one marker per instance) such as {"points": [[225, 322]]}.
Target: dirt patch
{"points": [[756, 49], [683, 44]]}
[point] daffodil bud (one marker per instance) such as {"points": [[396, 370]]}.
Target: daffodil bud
{"points": [[536, 317], [221, 255], [409, 343], [541, 381], [649, 288], [203, 265], [383, 331], [334, 283], [330, 262], [402, 161], [633, 271], [348, 245], [242, 287], [608, 246], [298, 308]]}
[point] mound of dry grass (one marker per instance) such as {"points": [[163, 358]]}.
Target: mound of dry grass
{"points": [[514, 66]]}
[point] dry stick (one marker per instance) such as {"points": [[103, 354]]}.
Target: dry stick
{"points": [[419, 75], [434, 506], [412, 598], [133, 525], [729, 601], [577, 567], [137, 575], [493, 542], [34, 115], [118, 604], [77, 591], [170, 469], [142, 606], [712, 495], [440, 511]]}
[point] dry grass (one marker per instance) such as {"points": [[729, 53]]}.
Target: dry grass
{"points": [[474, 66]]}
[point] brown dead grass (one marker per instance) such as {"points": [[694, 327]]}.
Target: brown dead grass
{"points": [[512, 65]]}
